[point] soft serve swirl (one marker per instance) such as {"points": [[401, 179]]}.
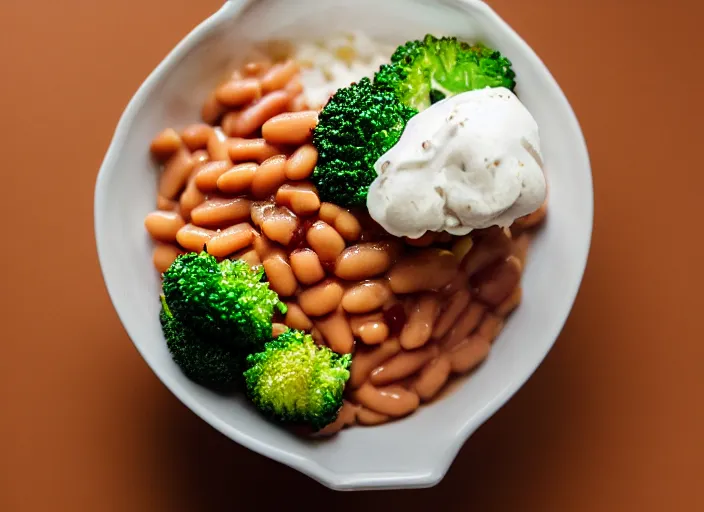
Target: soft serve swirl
{"points": [[468, 162]]}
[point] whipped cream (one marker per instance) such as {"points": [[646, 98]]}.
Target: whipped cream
{"points": [[470, 161]]}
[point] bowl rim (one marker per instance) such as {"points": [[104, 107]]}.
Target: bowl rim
{"points": [[309, 467]]}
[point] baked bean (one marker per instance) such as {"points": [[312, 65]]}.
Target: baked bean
{"points": [[394, 401], [212, 110], [325, 241], [245, 150], [236, 93], [363, 261], [218, 211], [366, 359], [301, 197], [468, 353], [190, 198], [456, 305], [285, 193], [301, 163], [296, 318], [403, 365], [490, 327], [281, 226], [279, 75], [163, 226], [176, 172], [269, 176], [329, 212], [468, 321], [462, 246], [165, 204], [357, 321], [343, 221], [278, 329], [231, 239], [229, 123], [248, 255], [348, 226], [428, 269], [423, 241], [317, 336], [336, 331], [164, 255], [368, 417], [432, 378], [292, 128], [279, 273], [419, 326], [534, 218], [345, 417], [193, 238], [487, 250], [510, 303], [201, 157], [253, 117], [263, 246], [218, 148], [460, 282], [238, 179], [306, 266], [373, 333], [496, 283], [321, 299], [207, 175], [261, 210], [365, 297], [196, 136], [165, 144]]}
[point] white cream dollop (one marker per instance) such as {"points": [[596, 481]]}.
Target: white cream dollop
{"points": [[468, 162]]}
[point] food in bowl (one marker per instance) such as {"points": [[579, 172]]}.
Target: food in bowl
{"points": [[343, 233]]}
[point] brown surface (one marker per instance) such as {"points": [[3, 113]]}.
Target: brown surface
{"points": [[611, 421]]}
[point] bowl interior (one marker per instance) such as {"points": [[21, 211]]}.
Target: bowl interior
{"points": [[415, 451]]}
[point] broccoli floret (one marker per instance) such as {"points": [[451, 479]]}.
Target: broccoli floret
{"points": [[204, 361], [225, 302], [424, 72], [358, 125], [296, 382], [364, 120]]}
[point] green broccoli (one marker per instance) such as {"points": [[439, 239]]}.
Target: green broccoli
{"points": [[225, 302], [424, 72], [297, 382], [357, 126], [205, 362], [364, 120]]}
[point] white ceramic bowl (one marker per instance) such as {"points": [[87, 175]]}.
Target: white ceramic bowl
{"points": [[416, 451]]}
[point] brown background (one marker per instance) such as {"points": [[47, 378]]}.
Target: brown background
{"points": [[613, 420]]}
